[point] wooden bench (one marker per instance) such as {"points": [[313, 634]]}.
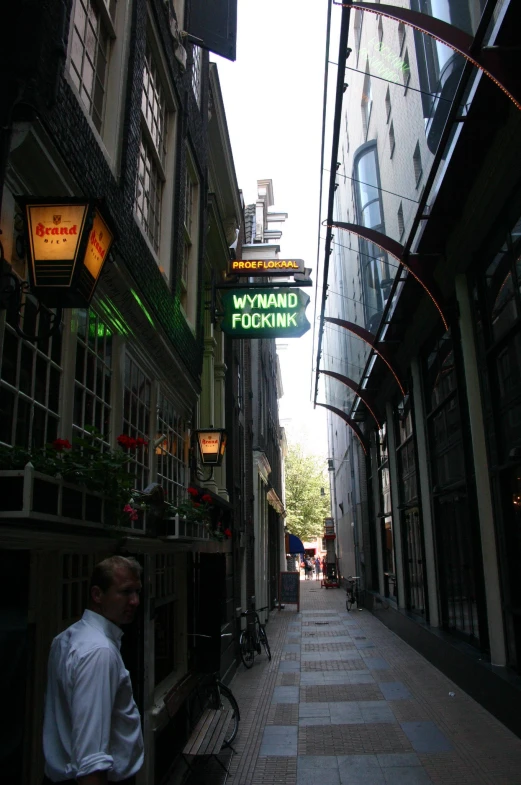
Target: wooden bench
{"points": [[207, 738]]}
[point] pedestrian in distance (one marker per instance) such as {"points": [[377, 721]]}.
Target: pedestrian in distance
{"points": [[309, 568], [92, 728], [317, 569]]}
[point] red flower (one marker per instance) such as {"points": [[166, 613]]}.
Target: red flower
{"points": [[141, 442], [61, 444], [127, 442], [206, 498], [193, 491], [196, 504], [228, 532]]}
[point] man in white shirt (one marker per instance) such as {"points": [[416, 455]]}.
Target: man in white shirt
{"points": [[92, 728]]}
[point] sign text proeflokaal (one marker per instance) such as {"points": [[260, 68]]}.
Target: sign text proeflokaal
{"points": [[265, 313]]}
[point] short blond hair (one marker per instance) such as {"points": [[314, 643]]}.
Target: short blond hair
{"points": [[103, 573]]}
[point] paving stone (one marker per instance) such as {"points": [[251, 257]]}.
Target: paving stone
{"points": [[279, 740], [352, 739], [409, 775], [286, 695], [289, 665], [340, 692], [326, 656], [426, 737], [283, 714], [394, 690]]}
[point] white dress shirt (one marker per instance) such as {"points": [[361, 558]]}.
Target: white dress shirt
{"points": [[91, 720]]}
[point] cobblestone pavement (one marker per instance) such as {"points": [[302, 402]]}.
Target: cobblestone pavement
{"points": [[344, 701]]}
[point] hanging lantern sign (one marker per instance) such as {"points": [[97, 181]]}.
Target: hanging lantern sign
{"points": [[265, 313], [68, 244]]}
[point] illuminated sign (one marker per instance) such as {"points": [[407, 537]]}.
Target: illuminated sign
{"points": [[68, 244], [265, 313], [266, 267]]}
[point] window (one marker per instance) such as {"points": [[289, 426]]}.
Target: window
{"points": [[197, 62], [30, 377], [92, 30], [152, 153], [401, 225], [191, 241], [369, 212], [169, 615], [170, 453], [92, 385], [380, 29], [367, 100], [358, 31], [417, 164], [388, 104], [391, 139], [406, 70], [136, 417], [76, 571], [401, 35]]}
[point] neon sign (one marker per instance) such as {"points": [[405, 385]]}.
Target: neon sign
{"points": [[266, 267], [265, 313]]}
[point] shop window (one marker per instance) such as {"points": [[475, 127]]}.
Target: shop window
{"points": [[30, 379], [171, 453], [76, 572], [92, 379], [166, 633], [136, 418]]}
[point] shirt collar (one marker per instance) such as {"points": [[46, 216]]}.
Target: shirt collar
{"points": [[106, 626]]}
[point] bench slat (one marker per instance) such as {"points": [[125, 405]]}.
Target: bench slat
{"points": [[208, 736], [215, 740]]}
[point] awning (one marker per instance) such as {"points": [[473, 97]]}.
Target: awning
{"points": [[293, 544]]}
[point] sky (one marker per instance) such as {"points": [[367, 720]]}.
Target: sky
{"points": [[273, 95]]}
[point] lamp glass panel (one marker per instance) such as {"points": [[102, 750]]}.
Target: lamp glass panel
{"points": [[98, 246], [210, 446], [55, 230]]}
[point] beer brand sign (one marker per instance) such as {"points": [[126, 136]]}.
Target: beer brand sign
{"points": [[265, 313], [100, 240], [266, 267], [55, 231]]}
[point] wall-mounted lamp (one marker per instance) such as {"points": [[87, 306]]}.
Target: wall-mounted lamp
{"points": [[212, 445], [68, 242]]}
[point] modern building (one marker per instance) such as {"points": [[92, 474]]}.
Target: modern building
{"points": [[416, 353]]}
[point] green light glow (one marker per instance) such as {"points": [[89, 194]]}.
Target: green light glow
{"points": [[140, 303]]}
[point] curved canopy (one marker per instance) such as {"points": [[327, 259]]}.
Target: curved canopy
{"points": [[293, 544]]}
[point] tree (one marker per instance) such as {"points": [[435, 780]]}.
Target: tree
{"points": [[306, 507]]}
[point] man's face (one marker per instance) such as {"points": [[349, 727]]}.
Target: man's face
{"points": [[121, 600]]}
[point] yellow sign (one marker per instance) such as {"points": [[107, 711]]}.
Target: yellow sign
{"points": [[98, 246], [55, 231], [268, 267]]}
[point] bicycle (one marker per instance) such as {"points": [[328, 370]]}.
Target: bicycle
{"points": [[211, 693], [353, 592], [250, 642]]}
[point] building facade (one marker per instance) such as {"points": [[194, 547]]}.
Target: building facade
{"points": [[109, 101], [417, 352]]}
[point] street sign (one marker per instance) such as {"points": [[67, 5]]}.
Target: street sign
{"points": [[265, 268], [265, 313]]}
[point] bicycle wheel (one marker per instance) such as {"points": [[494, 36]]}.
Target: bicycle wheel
{"points": [[264, 640], [228, 702], [247, 649], [220, 697]]}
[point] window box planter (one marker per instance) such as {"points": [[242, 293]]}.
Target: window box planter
{"points": [[180, 528]]}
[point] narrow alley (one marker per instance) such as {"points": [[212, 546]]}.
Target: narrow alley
{"points": [[344, 701]]}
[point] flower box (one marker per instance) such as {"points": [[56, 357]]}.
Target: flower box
{"points": [[181, 528], [28, 494]]}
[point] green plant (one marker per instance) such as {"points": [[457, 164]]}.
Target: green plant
{"points": [[85, 462]]}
